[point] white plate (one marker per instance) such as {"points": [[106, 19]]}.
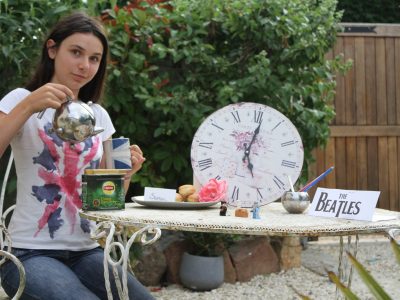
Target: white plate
{"points": [[169, 204]]}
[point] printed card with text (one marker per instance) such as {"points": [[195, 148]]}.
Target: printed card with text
{"points": [[159, 194], [345, 204]]}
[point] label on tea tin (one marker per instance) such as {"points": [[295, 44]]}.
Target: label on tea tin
{"points": [[103, 192]]}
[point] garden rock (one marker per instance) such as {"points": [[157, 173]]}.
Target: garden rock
{"points": [[151, 267], [253, 257]]}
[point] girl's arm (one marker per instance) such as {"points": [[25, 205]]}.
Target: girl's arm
{"points": [[137, 160], [49, 95], [11, 123]]}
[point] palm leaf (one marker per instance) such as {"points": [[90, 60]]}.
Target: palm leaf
{"points": [[396, 249], [371, 283], [345, 290], [302, 296]]}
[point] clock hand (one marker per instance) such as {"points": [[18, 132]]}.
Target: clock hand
{"points": [[257, 131], [246, 155], [247, 149], [250, 166]]}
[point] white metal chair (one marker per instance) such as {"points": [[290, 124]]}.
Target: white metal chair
{"points": [[107, 230], [5, 238]]}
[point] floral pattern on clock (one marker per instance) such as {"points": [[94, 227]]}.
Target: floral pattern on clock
{"points": [[253, 147]]}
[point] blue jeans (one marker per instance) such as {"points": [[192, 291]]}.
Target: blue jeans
{"points": [[59, 274]]}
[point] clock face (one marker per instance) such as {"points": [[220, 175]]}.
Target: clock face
{"points": [[253, 147]]}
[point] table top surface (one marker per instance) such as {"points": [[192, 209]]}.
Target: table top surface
{"points": [[274, 221]]}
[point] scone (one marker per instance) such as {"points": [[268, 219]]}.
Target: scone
{"points": [[186, 190], [193, 198], [179, 198]]}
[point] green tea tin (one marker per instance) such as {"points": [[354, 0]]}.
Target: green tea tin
{"points": [[103, 191]]}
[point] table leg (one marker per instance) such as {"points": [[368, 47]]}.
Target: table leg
{"points": [[290, 252], [345, 268], [146, 235]]}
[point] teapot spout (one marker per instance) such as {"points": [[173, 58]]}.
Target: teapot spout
{"points": [[97, 130]]}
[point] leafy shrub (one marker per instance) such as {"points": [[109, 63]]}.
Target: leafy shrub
{"points": [[209, 244], [23, 26], [175, 62]]}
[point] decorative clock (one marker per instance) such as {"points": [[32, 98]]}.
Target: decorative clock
{"points": [[254, 147]]}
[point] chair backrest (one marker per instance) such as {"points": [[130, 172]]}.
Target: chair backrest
{"points": [[3, 190], [3, 215], [5, 236]]}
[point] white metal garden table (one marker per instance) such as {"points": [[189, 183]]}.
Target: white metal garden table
{"points": [[275, 221]]}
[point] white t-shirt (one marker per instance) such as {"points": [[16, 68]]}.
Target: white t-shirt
{"points": [[49, 181]]}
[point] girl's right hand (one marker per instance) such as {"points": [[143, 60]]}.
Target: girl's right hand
{"points": [[49, 95]]}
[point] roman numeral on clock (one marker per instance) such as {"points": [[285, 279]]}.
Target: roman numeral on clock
{"points": [[288, 143], [259, 195], [215, 125], [279, 183], [289, 164], [205, 164], [236, 117], [235, 193], [206, 145], [276, 126], [258, 116]]}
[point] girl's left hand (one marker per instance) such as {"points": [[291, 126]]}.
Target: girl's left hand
{"points": [[137, 160]]}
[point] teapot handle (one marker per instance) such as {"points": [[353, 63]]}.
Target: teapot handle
{"points": [[41, 113]]}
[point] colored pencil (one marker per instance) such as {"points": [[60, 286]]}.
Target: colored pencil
{"points": [[316, 180]]}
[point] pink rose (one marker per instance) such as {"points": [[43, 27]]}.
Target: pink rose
{"points": [[213, 191]]}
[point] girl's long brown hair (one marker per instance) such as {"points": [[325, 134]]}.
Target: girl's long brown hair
{"points": [[77, 22]]}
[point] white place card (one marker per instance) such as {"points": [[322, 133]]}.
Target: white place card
{"points": [[159, 194], [345, 204]]}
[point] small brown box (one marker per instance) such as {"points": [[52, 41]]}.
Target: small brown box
{"points": [[241, 212]]}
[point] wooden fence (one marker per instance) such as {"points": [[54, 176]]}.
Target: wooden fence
{"points": [[364, 145]]}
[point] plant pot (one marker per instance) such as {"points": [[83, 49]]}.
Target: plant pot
{"points": [[201, 273]]}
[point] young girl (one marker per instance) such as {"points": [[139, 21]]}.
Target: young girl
{"points": [[49, 237]]}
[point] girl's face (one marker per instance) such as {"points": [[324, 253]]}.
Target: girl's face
{"points": [[76, 60]]}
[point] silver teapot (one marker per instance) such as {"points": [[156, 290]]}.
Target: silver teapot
{"points": [[74, 121]]}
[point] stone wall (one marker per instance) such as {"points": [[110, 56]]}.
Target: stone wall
{"points": [[159, 264]]}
